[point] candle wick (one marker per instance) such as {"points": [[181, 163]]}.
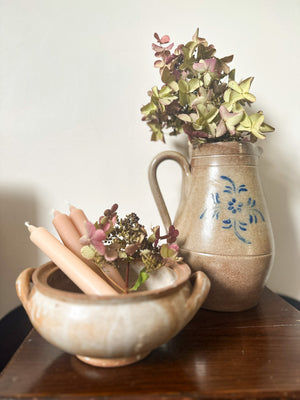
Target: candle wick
{"points": [[29, 226]]}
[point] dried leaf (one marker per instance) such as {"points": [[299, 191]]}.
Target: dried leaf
{"points": [[143, 276]]}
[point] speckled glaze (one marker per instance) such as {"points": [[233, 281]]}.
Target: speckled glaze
{"points": [[110, 331], [223, 222]]}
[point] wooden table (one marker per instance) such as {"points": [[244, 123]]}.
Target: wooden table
{"points": [[251, 354]]}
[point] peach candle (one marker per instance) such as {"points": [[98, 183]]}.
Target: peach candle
{"points": [[78, 218], [70, 237], [86, 279], [67, 232]]}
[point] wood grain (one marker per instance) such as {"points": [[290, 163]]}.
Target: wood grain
{"points": [[251, 354]]}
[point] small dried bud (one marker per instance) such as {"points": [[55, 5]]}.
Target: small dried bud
{"points": [[88, 252]]}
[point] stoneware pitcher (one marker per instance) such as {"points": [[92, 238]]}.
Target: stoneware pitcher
{"points": [[224, 226]]}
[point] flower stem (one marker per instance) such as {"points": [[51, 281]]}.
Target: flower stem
{"points": [[127, 277], [114, 284], [164, 237]]}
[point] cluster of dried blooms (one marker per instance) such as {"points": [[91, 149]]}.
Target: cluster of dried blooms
{"points": [[117, 240], [200, 96]]}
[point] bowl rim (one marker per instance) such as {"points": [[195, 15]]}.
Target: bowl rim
{"points": [[42, 273]]}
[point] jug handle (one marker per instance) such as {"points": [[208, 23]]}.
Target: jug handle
{"points": [[23, 287], [152, 176]]}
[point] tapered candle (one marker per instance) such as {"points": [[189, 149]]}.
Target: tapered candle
{"points": [[67, 232], [70, 237], [86, 279], [78, 218]]}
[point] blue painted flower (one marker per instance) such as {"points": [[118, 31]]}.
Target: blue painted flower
{"points": [[234, 206]]}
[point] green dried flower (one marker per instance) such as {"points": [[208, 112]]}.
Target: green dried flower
{"points": [[151, 260], [254, 124], [198, 88]]}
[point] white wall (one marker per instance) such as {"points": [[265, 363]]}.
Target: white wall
{"points": [[73, 76]]}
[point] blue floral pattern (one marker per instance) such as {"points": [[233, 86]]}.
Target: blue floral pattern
{"points": [[233, 210]]}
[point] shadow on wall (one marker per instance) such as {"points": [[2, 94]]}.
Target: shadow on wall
{"points": [[282, 192], [16, 205]]}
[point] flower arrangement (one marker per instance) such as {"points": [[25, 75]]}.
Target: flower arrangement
{"points": [[200, 96], [114, 240]]}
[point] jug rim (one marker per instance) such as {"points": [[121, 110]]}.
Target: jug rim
{"points": [[226, 148]]}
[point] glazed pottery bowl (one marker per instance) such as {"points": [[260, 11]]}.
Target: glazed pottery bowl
{"points": [[114, 330]]}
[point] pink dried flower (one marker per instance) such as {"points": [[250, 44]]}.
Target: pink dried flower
{"points": [[164, 39], [198, 80], [205, 65], [111, 252], [160, 49], [193, 134], [109, 219], [132, 248], [173, 233], [174, 247], [94, 237], [112, 212]]}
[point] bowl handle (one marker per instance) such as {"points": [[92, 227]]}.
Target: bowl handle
{"points": [[23, 287], [199, 292]]}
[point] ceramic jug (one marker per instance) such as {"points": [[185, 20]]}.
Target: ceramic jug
{"points": [[223, 222]]}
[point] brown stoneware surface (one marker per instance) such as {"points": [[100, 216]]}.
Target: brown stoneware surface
{"points": [[223, 222], [121, 328]]}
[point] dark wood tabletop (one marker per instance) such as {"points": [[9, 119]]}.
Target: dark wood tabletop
{"points": [[244, 355]]}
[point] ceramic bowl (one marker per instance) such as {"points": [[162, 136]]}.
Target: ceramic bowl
{"points": [[110, 331]]}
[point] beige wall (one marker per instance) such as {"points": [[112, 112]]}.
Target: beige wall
{"points": [[73, 77]]}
